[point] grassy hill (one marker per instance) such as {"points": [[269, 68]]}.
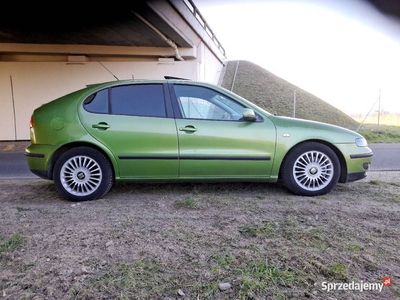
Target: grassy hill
{"points": [[276, 95]]}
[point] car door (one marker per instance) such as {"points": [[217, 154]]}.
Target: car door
{"points": [[136, 124], [214, 139]]}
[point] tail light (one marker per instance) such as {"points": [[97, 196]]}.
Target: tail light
{"points": [[31, 123]]}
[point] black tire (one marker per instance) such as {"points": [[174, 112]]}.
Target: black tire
{"points": [[82, 174], [310, 169]]}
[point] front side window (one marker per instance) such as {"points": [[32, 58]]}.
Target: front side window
{"points": [[145, 100], [202, 103]]}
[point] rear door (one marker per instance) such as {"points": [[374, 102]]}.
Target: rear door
{"points": [[215, 141], [135, 122]]}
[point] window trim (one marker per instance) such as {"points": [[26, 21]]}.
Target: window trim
{"points": [[168, 107]]}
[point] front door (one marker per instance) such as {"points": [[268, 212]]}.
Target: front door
{"points": [[215, 141]]}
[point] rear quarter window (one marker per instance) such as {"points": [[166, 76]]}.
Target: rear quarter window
{"points": [[97, 103]]}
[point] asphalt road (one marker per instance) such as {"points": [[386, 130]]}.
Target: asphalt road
{"points": [[386, 158], [13, 165]]}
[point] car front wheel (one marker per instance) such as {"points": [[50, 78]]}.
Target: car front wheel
{"points": [[83, 173], [310, 169]]}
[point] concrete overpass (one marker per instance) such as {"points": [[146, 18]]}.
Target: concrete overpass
{"points": [[46, 51]]}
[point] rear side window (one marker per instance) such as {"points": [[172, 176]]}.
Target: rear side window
{"points": [[97, 103], [138, 100]]}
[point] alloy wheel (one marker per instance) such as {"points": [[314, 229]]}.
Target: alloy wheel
{"points": [[313, 170], [81, 175]]}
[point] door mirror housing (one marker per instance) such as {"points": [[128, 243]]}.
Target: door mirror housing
{"points": [[249, 115]]}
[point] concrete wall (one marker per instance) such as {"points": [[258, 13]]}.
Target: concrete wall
{"points": [[33, 74], [210, 67], [27, 85]]}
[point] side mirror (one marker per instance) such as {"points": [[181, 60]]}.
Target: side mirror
{"points": [[249, 115]]}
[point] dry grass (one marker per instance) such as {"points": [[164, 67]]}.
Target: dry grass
{"points": [[148, 241]]}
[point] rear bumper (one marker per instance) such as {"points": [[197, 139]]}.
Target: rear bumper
{"points": [[38, 158], [35, 160], [34, 155]]}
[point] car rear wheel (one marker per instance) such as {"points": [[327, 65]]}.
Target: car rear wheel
{"points": [[83, 173], [311, 169]]}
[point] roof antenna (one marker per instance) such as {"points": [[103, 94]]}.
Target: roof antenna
{"points": [[108, 70]]}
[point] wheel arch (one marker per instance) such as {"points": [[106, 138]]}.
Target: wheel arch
{"points": [[60, 151], [342, 161]]}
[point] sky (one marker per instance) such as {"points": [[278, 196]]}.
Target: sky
{"points": [[343, 51]]}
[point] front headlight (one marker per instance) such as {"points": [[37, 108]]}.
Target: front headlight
{"points": [[361, 142]]}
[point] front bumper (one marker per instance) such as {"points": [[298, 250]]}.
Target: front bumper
{"points": [[355, 176], [358, 165], [357, 162]]}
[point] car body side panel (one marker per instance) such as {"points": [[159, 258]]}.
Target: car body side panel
{"points": [[143, 146], [56, 125], [226, 149], [291, 132]]}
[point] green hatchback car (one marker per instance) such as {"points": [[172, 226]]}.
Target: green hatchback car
{"points": [[179, 130]]}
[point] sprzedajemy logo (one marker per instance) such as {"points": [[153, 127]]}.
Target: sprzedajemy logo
{"points": [[356, 286]]}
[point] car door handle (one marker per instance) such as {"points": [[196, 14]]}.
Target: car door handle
{"points": [[188, 128], [101, 126]]}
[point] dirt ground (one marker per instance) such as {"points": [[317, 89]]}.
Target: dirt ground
{"points": [[200, 241], [13, 146]]}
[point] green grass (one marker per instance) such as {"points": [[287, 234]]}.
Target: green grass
{"points": [[223, 260], [263, 230], [189, 203], [260, 276], [380, 134], [149, 279], [337, 271], [12, 243]]}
